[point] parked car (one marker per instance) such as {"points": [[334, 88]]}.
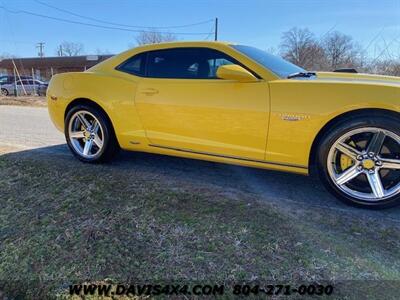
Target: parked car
{"points": [[7, 79], [29, 86], [240, 105]]}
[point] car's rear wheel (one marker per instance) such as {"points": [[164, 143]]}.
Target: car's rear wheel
{"points": [[359, 161], [89, 134], [4, 92]]}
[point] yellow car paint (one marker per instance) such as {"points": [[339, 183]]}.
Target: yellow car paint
{"points": [[236, 73], [268, 123]]}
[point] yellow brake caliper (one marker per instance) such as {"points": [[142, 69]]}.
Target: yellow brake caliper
{"points": [[345, 161]]}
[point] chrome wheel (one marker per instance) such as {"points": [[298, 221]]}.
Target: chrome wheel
{"points": [[365, 164], [86, 134]]}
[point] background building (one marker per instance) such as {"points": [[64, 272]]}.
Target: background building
{"points": [[45, 67]]}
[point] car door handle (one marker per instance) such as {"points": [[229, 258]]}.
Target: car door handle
{"points": [[149, 91]]}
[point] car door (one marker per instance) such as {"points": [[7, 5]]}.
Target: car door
{"points": [[184, 106], [20, 89], [30, 87], [24, 86]]}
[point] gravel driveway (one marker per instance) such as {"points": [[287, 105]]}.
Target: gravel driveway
{"points": [[29, 129]]}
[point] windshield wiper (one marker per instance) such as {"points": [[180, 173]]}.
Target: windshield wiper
{"points": [[302, 74]]}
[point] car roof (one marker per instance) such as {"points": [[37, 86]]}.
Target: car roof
{"points": [[111, 63], [181, 44]]}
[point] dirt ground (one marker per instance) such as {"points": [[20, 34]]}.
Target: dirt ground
{"points": [[24, 101]]}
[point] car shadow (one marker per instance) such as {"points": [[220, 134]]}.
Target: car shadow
{"points": [[283, 189]]}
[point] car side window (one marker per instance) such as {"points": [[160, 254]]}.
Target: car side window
{"points": [[186, 63], [135, 65], [215, 63]]}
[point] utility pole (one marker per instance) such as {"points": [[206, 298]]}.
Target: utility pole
{"points": [[40, 46], [216, 30]]}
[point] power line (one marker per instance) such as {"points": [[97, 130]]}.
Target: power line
{"points": [[329, 30], [386, 48], [210, 33], [94, 25], [119, 24], [374, 38], [13, 42]]}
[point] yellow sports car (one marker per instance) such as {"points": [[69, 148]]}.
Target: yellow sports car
{"points": [[237, 104]]}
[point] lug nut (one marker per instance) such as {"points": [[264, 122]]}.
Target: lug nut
{"points": [[371, 171], [359, 157], [371, 154], [359, 168], [378, 163]]}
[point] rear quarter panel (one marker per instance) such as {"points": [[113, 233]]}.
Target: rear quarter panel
{"points": [[312, 104], [114, 94]]}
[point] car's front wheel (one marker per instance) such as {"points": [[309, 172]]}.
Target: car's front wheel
{"points": [[359, 161], [89, 134]]}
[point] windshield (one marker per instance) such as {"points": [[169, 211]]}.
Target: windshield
{"points": [[275, 64]]}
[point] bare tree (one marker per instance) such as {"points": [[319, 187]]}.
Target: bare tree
{"points": [[341, 51], [272, 50], [385, 67], [69, 49], [150, 37], [301, 48], [102, 51], [6, 55], [335, 50], [394, 68]]}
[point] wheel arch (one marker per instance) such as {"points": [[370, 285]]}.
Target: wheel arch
{"points": [[89, 102], [353, 113], [86, 101]]}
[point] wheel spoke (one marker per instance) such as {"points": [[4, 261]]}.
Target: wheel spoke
{"points": [[376, 142], [95, 126], [77, 134], [98, 141], [347, 175], [348, 150], [390, 163], [369, 177], [83, 121], [376, 184], [88, 147]]}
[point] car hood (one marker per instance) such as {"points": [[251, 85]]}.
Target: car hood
{"points": [[358, 78]]}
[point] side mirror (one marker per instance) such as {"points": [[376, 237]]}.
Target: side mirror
{"points": [[235, 72]]}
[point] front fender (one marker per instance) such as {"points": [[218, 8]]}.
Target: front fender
{"points": [[301, 108]]}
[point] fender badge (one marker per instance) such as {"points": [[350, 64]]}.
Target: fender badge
{"points": [[293, 117]]}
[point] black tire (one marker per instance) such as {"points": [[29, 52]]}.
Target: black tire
{"points": [[389, 123], [110, 143], [4, 92]]}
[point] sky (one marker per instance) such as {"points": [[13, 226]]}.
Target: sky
{"points": [[374, 24]]}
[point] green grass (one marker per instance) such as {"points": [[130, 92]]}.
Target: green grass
{"points": [[64, 222]]}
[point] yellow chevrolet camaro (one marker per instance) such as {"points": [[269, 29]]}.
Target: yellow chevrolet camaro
{"points": [[237, 104]]}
